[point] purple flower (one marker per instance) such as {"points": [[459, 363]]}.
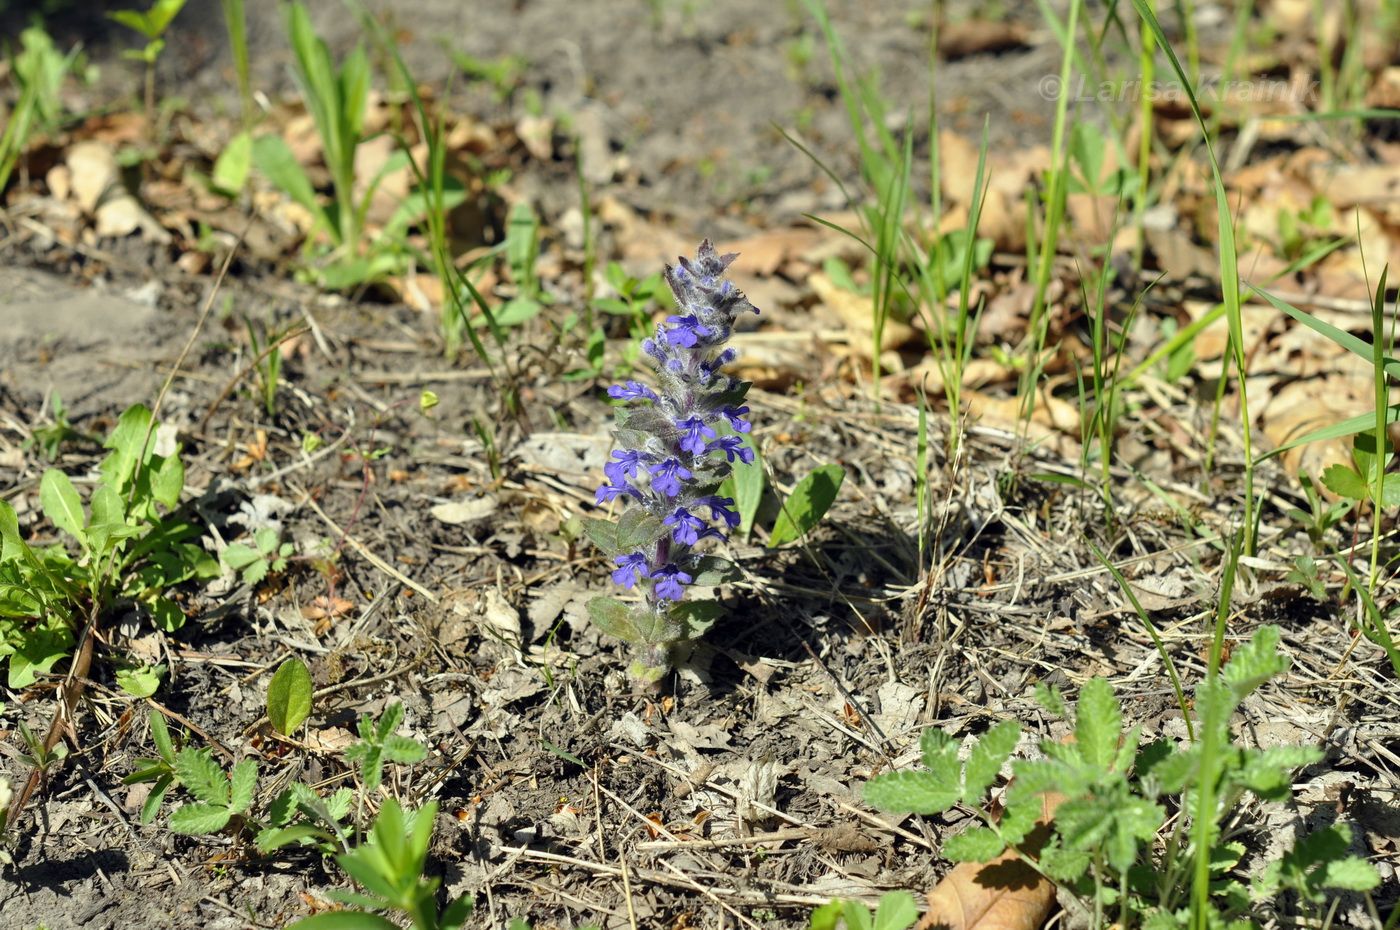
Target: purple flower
{"points": [[686, 330], [631, 390], [733, 415], [667, 476], [629, 461], [719, 509], [694, 432], [731, 446], [631, 568], [669, 582], [617, 489], [687, 526], [708, 369]]}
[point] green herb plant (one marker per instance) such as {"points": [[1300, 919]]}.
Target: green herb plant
{"points": [[152, 24], [1110, 841], [38, 71], [131, 544], [896, 911], [267, 555]]}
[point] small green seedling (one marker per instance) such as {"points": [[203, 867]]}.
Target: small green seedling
{"points": [[289, 696], [132, 544], [267, 555], [38, 70], [379, 744], [301, 816], [152, 24], [389, 866]]}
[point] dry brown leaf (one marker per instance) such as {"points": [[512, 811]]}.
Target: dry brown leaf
{"points": [[857, 313], [765, 253], [1004, 894]]}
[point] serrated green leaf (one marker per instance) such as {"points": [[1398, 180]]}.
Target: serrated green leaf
{"points": [[201, 776], [404, 750], [243, 783], [61, 504], [807, 504], [1255, 663], [1049, 697], [987, 758], [978, 844], [1343, 481], [199, 818], [389, 720], [1098, 723], [289, 696], [912, 792]]}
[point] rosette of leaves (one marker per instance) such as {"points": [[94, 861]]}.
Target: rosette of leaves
{"points": [[676, 444]]}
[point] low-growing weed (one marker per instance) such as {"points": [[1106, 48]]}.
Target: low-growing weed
{"points": [[132, 544], [152, 24], [1111, 798], [267, 555], [38, 71], [896, 911]]}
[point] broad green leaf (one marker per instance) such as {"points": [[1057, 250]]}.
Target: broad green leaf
{"points": [[240, 555], [243, 783], [233, 164], [713, 570], [637, 529], [129, 443], [1343, 481], [12, 547], [201, 775], [857, 916], [614, 618], [603, 534], [199, 818], [167, 479], [166, 614], [1098, 724], [912, 792], [62, 505], [289, 696], [987, 758], [807, 504], [274, 158], [160, 735], [896, 911], [37, 654], [140, 682], [696, 616], [747, 482], [978, 844]]}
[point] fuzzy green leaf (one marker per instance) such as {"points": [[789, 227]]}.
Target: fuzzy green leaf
{"points": [[199, 818], [243, 782], [912, 792], [201, 776], [637, 529], [614, 618], [695, 617], [987, 758], [978, 844], [807, 504], [1350, 874], [1255, 663], [603, 534], [289, 696], [713, 570], [404, 750], [1098, 723]]}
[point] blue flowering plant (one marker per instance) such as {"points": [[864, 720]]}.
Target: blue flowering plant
{"points": [[676, 443]]}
